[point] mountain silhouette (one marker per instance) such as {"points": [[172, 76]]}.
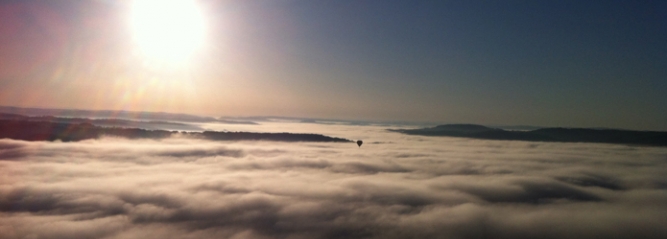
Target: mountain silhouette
{"points": [[614, 136], [32, 130]]}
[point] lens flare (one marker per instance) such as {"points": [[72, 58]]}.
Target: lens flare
{"points": [[167, 31]]}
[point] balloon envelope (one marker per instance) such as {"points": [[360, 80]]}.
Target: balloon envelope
{"points": [[359, 142]]}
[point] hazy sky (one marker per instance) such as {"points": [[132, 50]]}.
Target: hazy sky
{"points": [[549, 63]]}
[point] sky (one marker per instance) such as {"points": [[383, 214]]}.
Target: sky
{"points": [[543, 63], [393, 186]]}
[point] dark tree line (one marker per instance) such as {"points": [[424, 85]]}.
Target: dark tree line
{"points": [[49, 131], [649, 138]]}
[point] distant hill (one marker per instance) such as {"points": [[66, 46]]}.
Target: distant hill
{"points": [[116, 114], [286, 137], [151, 125], [648, 138], [30, 130]]}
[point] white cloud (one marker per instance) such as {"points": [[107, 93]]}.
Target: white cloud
{"points": [[398, 187]]}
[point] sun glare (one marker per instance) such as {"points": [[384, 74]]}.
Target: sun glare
{"points": [[167, 31]]}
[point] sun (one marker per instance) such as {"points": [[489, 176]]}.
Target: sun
{"points": [[167, 31]]}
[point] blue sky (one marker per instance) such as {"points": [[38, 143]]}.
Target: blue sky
{"points": [[547, 63]]}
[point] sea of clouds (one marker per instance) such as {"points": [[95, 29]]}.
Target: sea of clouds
{"points": [[394, 186]]}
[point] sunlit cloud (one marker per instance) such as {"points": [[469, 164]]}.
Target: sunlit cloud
{"points": [[403, 187]]}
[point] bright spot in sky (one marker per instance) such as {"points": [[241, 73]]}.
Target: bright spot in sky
{"points": [[167, 31]]}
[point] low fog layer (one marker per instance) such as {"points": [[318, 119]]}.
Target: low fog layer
{"points": [[394, 186]]}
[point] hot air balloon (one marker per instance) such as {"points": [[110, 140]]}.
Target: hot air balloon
{"points": [[359, 142]]}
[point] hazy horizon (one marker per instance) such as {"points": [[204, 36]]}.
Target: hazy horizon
{"points": [[259, 118]]}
